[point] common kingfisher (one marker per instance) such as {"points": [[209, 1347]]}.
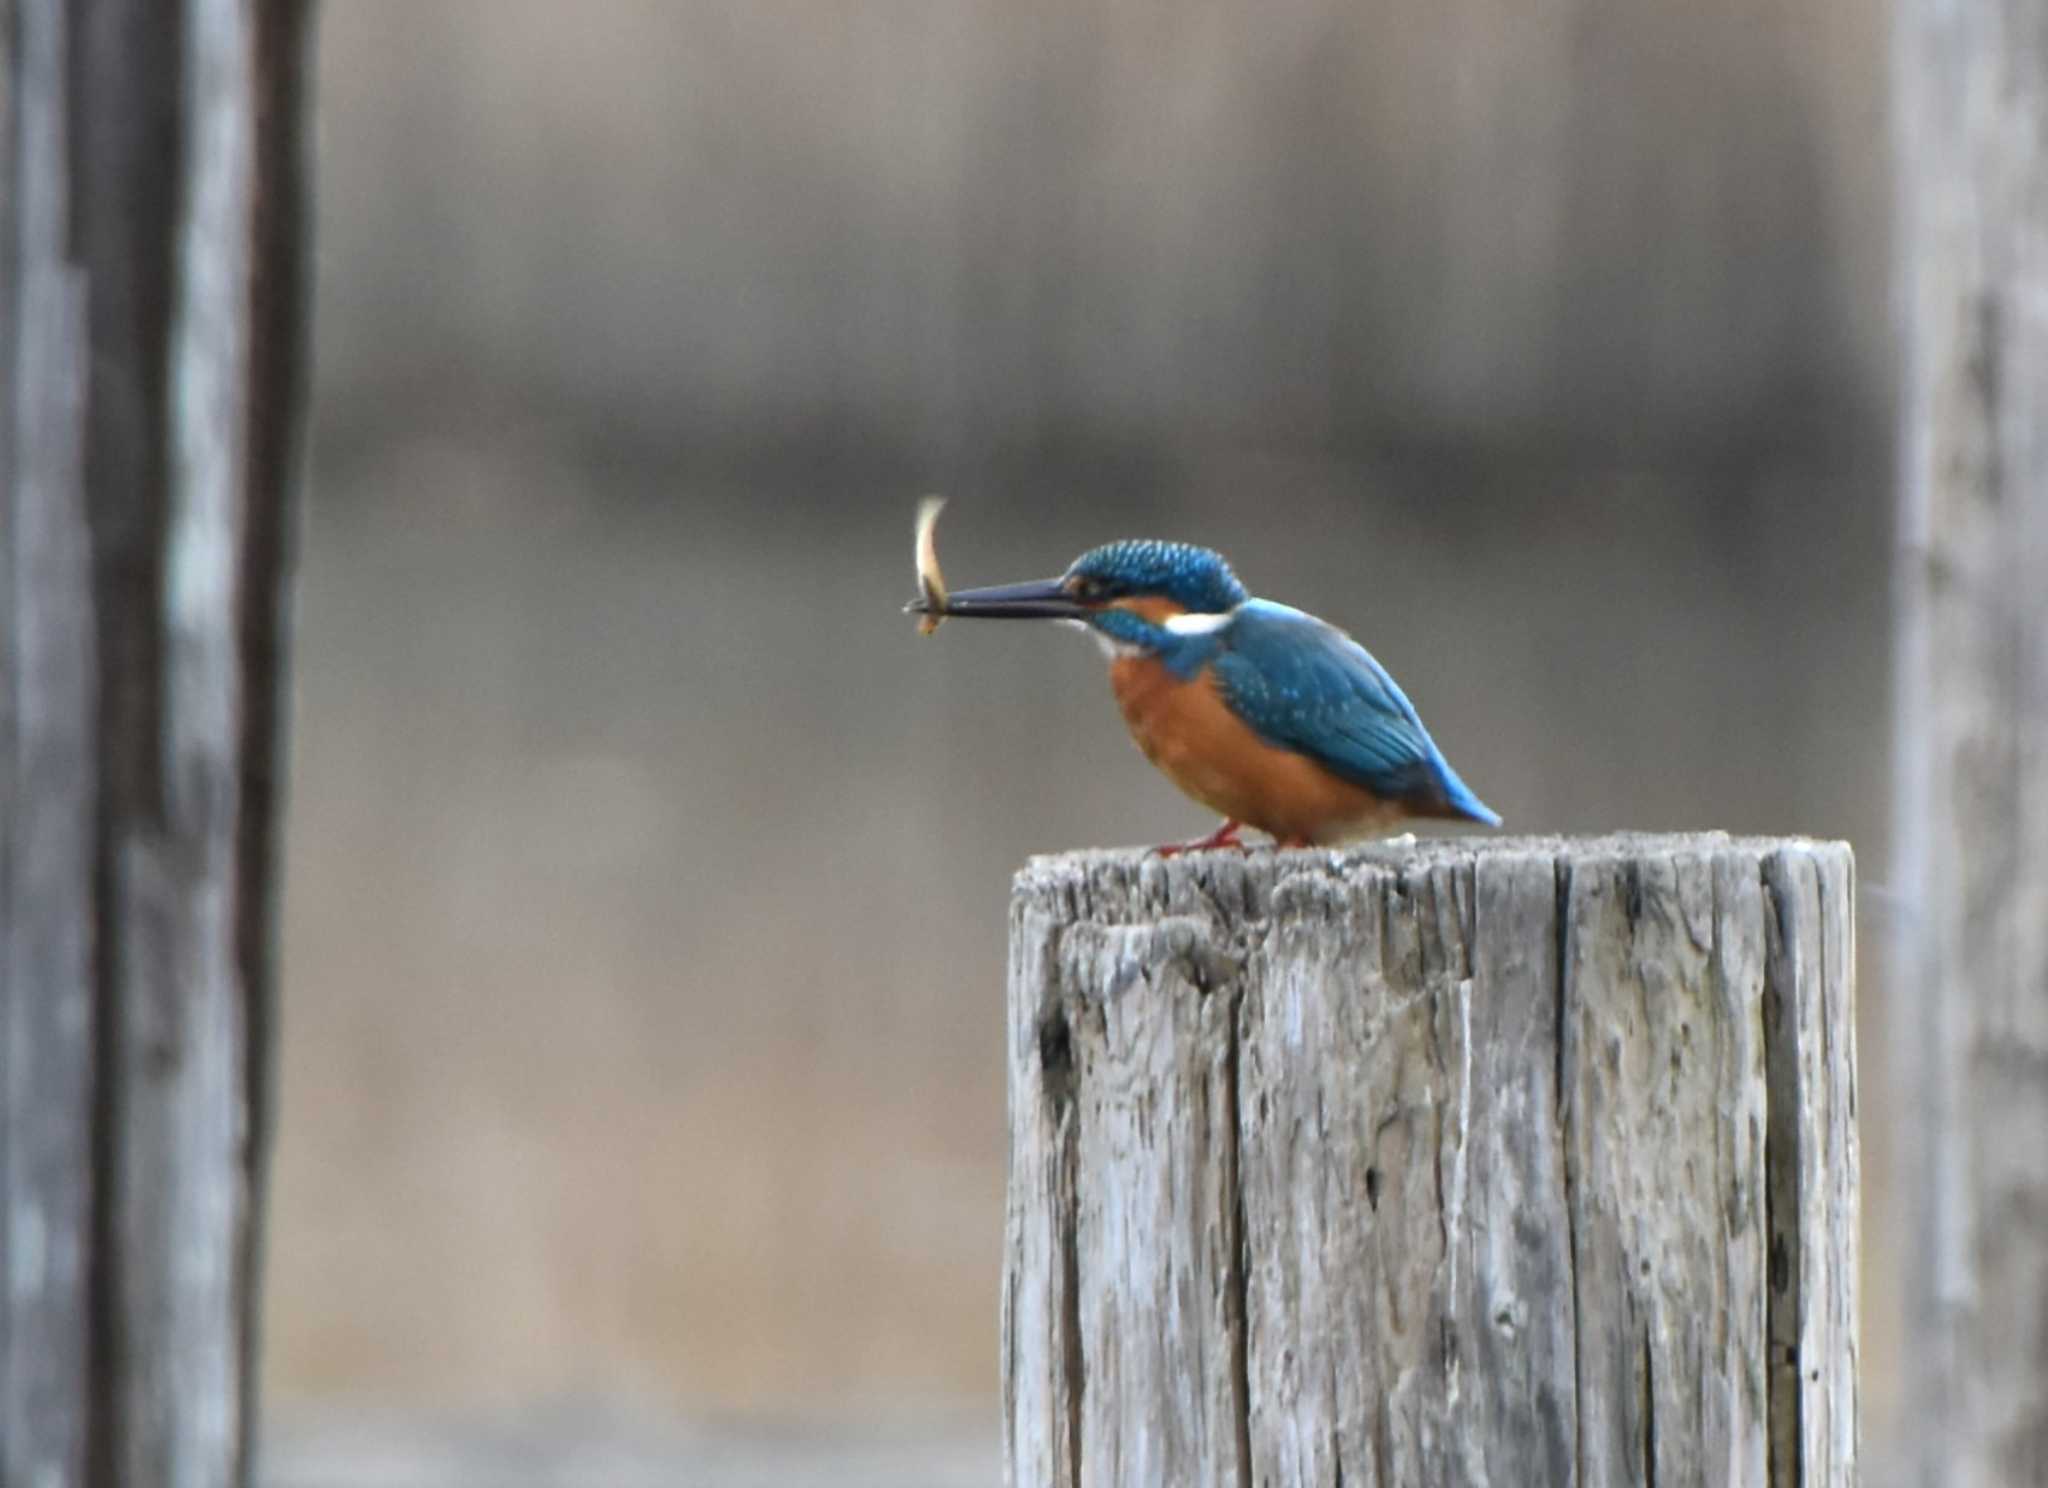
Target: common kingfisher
{"points": [[1261, 712]]}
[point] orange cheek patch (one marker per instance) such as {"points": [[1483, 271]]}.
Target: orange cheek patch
{"points": [[1150, 607]]}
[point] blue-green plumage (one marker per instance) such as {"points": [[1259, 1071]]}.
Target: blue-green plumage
{"points": [[1305, 685]]}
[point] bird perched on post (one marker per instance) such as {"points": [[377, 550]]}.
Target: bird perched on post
{"points": [[1261, 712]]}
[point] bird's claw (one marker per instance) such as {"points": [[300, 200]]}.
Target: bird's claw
{"points": [[1223, 836]]}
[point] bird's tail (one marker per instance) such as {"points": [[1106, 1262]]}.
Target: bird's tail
{"points": [[1458, 801]]}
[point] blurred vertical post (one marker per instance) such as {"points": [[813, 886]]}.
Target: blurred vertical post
{"points": [[151, 391], [1971, 820]]}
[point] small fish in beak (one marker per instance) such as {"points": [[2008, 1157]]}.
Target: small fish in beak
{"points": [[931, 584], [1037, 599]]}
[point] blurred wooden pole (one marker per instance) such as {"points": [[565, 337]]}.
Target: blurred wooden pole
{"points": [[1479, 1162], [150, 398], [1971, 821]]}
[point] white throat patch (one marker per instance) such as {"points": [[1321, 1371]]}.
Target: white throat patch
{"points": [[1112, 648]]}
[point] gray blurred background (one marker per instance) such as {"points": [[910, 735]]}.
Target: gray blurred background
{"points": [[647, 874]]}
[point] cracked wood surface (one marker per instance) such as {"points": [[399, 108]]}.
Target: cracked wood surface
{"points": [[1472, 1162]]}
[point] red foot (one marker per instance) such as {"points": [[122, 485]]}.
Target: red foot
{"points": [[1223, 836], [1282, 842]]}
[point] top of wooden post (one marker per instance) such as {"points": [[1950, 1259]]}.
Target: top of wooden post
{"points": [[1473, 1160], [1248, 878]]}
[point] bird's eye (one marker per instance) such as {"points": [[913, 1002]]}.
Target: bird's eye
{"points": [[1087, 589]]}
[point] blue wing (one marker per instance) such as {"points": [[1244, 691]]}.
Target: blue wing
{"points": [[1306, 686]]}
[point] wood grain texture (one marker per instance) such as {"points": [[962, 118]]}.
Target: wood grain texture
{"points": [[1470, 1162], [1971, 743], [148, 476]]}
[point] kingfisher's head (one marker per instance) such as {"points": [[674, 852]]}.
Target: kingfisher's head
{"points": [[1156, 579], [1131, 593]]}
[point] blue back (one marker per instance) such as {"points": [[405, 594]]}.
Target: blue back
{"points": [[1304, 685]]}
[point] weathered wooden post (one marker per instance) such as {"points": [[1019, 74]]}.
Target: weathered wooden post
{"points": [[150, 393], [1483, 1162]]}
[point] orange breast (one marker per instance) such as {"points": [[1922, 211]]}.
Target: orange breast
{"points": [[1187, 730]]}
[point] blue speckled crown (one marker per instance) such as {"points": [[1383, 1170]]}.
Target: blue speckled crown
{"points": [[1197, 579]]}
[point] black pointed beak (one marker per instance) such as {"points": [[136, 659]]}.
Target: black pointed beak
{"points": [[1040, 599]]}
